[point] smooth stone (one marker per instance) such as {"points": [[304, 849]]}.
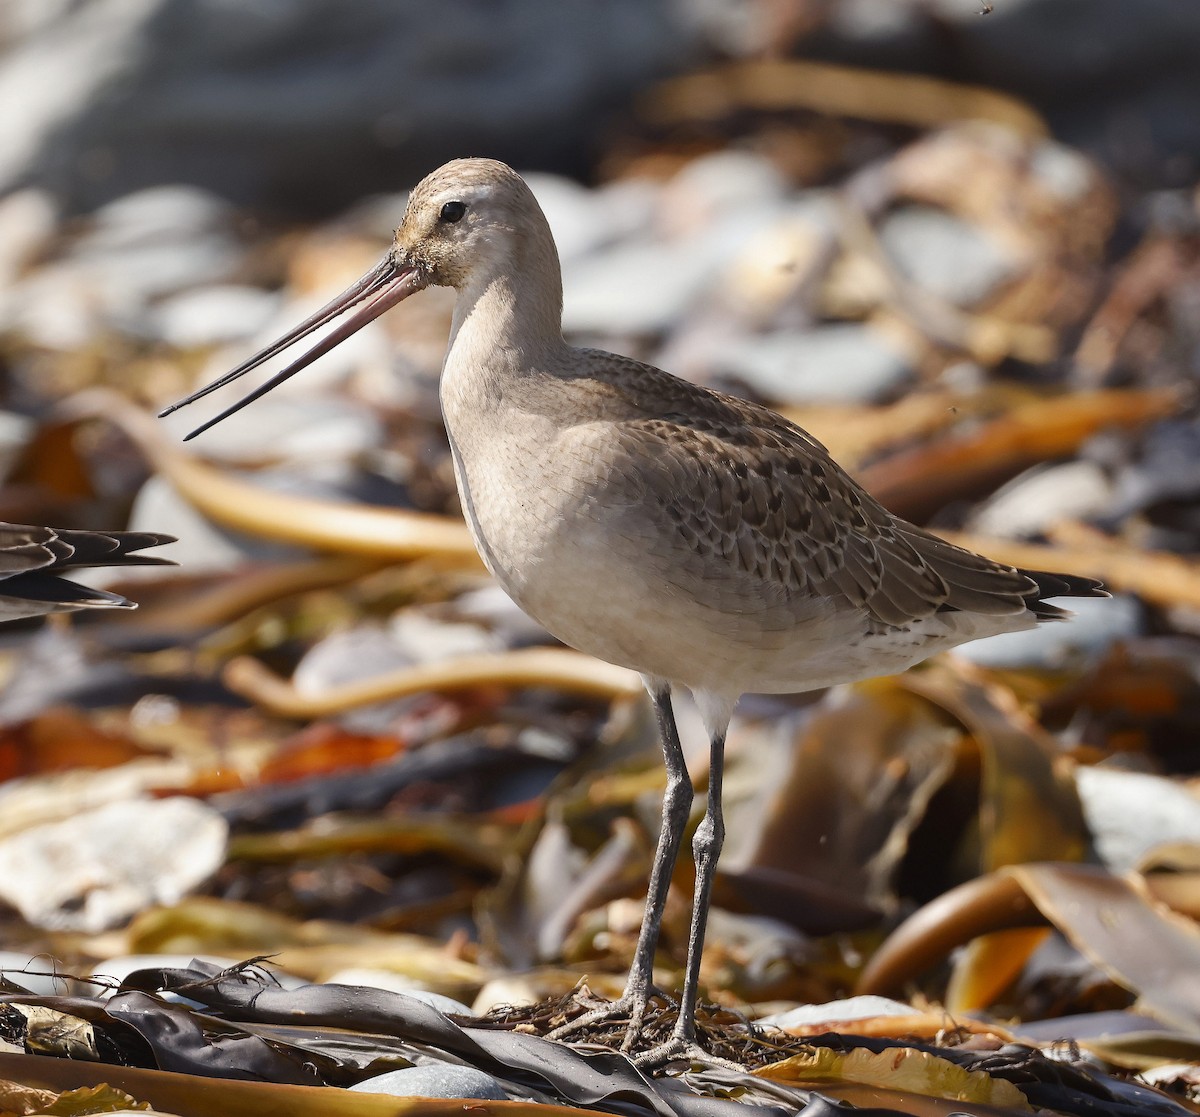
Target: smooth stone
{"points": [[156, 213], [1096, 624], [201, 546], [491, 606], [852, 1008], [846, 362], [350, 656], [1130, 813], [646, 286], [298, 428], [949, 257], [213, 315], [428, 639], [1063, 171], [1041, 497], [636, 287], [434, 1080], [125, 279], [39, 973], [86, 874], [713, 185]]}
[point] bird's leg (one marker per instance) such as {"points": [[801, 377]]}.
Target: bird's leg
{"points": [[677, 804], [706, 848]]}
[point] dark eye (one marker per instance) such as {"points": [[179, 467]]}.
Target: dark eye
{"points": [[452, 212]]}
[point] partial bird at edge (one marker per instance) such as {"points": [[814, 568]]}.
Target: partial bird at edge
{"points": [[34, 560]]}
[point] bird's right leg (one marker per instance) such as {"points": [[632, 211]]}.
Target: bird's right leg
{"points": [[677, 805]]}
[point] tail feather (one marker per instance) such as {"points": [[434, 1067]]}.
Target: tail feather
{"points": [[1058, 585]]}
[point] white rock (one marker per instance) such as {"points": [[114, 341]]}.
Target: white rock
{"points": [[96, 870], [577, 218], [1129, 813], [212, 315], [945, 255], [434, 1080], [852, 1008], [15, 431], [845, 362], [201, 545], [298, 428], [28, 220], [1041, 497], [713, 185]]}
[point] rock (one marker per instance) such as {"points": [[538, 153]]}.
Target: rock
{"points": [[1096, 624], [1130, 813], [426, 639], [86, 874], [852, 1008], [576, 215], [306, 107], [434, 1080], [139, 249], [949, 257], [839, 363], [769, 274], [1041, 497], [200, 544], [350, 656], [212, 315], [645, 286], [711, 186], [308, 428], [640, 287]]}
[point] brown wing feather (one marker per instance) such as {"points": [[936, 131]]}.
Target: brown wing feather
{"points": [[743, 483]]}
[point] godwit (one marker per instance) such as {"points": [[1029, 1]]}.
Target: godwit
{"points": [[699, 539]]}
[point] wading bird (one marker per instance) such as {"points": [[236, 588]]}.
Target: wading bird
{"points": [[698, 539]]}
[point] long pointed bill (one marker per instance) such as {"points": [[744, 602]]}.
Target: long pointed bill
{"points": [[382, 288]]}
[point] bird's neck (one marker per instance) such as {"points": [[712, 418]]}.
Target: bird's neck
{"points": [[509, 318]]}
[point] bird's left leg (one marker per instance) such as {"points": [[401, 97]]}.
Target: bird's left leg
{"points": [[706, 848]]}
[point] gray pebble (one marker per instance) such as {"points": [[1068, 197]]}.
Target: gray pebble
{"points": [[1038, 498], [951, 258], [1130, 813], [439, 1080], [212, 315], [839, 363]]}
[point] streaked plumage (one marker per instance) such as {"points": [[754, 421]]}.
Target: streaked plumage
{"points": [[699, 539]]}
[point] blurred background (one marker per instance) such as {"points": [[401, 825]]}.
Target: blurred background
{"points": [[958, 241]]}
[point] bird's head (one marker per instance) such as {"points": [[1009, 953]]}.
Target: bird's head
{"points": [[469, 220]]}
